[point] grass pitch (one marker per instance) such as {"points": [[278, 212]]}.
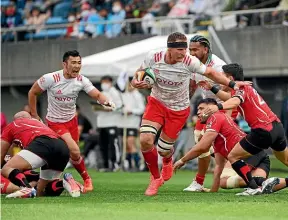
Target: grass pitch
{"points": [[121, 196]]}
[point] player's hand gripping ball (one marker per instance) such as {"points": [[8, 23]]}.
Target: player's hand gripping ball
{"points": [[147, 75]]}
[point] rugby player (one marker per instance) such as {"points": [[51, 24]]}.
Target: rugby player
{"points": [[266, 128], [200, 47], [42, 148], [63, 88], [224, 134], [168, 104]]}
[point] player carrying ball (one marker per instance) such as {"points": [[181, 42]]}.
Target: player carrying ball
{"points": [[168, 104]]}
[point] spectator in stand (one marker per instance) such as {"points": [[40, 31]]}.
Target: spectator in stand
{"points": [[37, 18], [118, 15], [12, 18], [147, 22], [92, 28], [85, 12], [72, 29], [283, 5]]}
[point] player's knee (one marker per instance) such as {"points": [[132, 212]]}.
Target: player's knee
{"points": [[164, 147], [205, 156], [146, 141], [232, 158], [75, 154]]}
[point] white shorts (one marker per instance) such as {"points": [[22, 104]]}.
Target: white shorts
{"points": [[37, 162]]}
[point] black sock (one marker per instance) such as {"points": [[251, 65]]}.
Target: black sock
{"points": [[129, 159], [54, 188], [259, 180], [136, 159], [31, 175], [18, 178], [242, 169], [286, 180]]}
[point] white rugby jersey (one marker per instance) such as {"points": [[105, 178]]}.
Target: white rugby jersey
{"points": [[216, 63], [62, 94], [133, 102], [172, 80]]}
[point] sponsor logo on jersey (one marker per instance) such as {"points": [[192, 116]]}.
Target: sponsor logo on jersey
{"points": [[168, 82], [59, 92], [65, 99]]}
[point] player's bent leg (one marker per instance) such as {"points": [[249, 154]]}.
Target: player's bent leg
{"points": [[282, 155], [241, 168], [24, 160], [166, 150], [283, 183], [148, 131], [78, 161]]}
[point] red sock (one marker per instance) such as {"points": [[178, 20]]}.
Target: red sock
{"points": [[151, 159], [168, 159], [79, 165], [200, 179]]}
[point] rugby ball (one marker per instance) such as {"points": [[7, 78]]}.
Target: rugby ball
{"points": [[147, 75]]}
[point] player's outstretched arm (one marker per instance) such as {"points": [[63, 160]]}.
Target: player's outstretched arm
{"points": [[32, 99], [224, 96], [101, 98], [220, 164], [201, 147], [231, 103]]}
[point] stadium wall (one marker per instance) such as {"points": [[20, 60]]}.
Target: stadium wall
{"points": [[261, 50], [24, 62]]}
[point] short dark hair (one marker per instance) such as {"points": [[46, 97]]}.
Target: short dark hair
{"points": [[71, 53], [207, 101], [235, 70], [202, 40], [109, 78], [77, 107], [176, 36]]}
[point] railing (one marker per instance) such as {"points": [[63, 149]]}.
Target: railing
{"points": [[162, 25]]}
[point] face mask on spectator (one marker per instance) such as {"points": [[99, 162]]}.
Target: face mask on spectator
{"points": [[85, 13], [116, 8], [105, 86], [71, 18]]}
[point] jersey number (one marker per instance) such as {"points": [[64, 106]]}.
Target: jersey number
{"points": [[260, 100]]}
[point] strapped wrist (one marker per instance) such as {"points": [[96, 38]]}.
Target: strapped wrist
{"points": [[232, 84], [220, 106], [214, 89]]}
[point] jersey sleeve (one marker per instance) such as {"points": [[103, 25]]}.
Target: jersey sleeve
{"points": [[6, 134], [194, 65], [87, 84], [241, 94], [214, 123], [46, 81]]}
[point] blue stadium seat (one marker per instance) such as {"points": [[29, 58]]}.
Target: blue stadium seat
{"points": [[5, 3], [52, 33], [56, 20], [62, 9]]}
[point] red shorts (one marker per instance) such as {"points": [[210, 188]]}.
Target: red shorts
{"points": [[66, 127], [200, 126], [4, 184], [172, 121]]}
